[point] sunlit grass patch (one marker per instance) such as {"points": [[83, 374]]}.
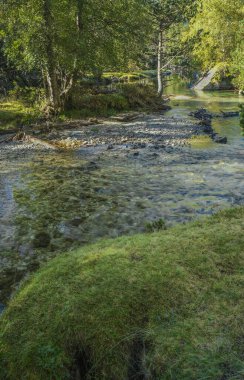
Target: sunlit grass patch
{"points": [[15, 113]]}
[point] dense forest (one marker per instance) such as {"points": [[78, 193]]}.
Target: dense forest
{"points": [[57, 46], [121, 189]]}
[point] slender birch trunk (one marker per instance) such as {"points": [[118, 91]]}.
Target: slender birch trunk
{"points": [[159, 68], [51, 71], [71, 78], [80, 6]]}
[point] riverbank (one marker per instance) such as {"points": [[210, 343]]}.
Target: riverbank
{"points": [[38, 233], [125, 131], [26, 109], [150, 306], [76, 182]]}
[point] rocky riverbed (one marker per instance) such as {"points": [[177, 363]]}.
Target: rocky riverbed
{"points": [[146, 130], [115, 177]]}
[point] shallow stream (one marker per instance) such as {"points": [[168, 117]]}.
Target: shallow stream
{"points": [[51, 202]]}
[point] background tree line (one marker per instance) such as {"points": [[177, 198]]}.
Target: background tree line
{"points": [[54, 43]]}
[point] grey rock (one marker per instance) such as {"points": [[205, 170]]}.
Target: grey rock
{"points": [[201, 114], [208, 129], [92, 166], [139, 146], [77, 221], [206, 122], [220, 139], [230, 114], [41, 240], [154, 155]]}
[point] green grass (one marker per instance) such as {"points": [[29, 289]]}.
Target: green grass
{"points": [[130, 76], [168, 305], [14, 113]]}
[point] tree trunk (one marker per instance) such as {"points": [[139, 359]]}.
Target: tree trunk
{"points": [[159, 69], [80, 6], [70, 79], [51, 71]]}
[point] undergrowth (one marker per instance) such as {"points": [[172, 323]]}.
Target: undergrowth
{"points": [[161, 306], [85, 102], [25, 106], [15, 114]]}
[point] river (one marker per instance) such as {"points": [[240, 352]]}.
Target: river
{"points": [[53, 202]]}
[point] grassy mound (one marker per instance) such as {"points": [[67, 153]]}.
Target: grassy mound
{"points": [[161, 306]]}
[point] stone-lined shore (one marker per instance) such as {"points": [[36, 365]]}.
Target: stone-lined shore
{"points": [[125, 132]]}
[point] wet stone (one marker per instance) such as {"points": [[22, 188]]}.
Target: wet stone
{"points": [[139, 146], [92, 166], [208, 129], [154, 155], [77, 221], [220, 139], [201, 114], [41, 240]]}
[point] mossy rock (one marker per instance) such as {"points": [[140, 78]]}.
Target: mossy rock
{"points": [[167, 305]]}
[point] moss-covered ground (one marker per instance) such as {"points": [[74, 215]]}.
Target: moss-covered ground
{"points": [[166, 305]]}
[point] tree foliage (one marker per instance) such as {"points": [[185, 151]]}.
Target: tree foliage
{"points": [[62, 38], [167, 18], [218, 32]]}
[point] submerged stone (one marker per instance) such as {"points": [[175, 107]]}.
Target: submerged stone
{"points": [[41, 240], [77, 221], [201, 114], [220, 139]]}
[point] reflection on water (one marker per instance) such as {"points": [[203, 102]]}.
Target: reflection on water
{"points": [[184, 100], [54, 202]]}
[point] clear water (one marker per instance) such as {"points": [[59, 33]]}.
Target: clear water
{"points": [[73, 203], [185, 100]]}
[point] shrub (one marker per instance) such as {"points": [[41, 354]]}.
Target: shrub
{"points": [[99, 104], [128, 96], [140, 95], [30, 96], [156, 225]]}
